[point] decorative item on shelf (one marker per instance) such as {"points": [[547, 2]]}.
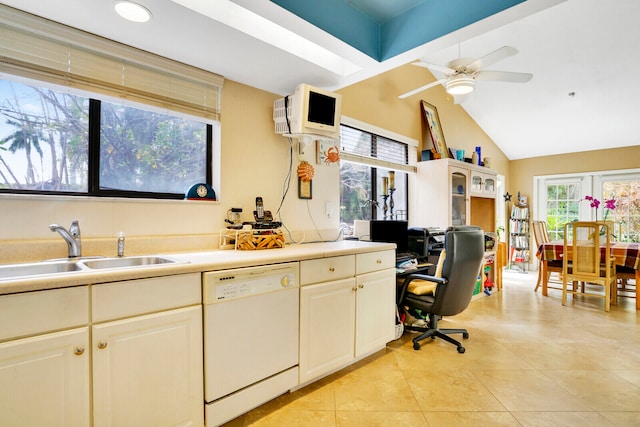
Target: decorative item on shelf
{"points": [[430, 115], [201, 191], [460, 155], [479, 155], [487, 162], [388, 187], [474, 158]]}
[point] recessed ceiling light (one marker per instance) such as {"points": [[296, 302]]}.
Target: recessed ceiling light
{"points": [[132, 11]]}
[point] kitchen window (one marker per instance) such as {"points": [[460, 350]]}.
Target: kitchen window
{"points": [[57, 142], [82, 115], [366, 158]]}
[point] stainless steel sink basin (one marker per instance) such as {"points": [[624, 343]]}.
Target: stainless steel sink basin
{"points": [[134, 261], [15, 271]]}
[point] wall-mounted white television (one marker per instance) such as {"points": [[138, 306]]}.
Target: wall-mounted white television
{"points": [[310, 111]]}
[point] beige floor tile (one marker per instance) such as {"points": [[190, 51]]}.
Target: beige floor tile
{"points": [[529, 390], [455, 390], [623, 419], [386, 391], [633, 376], [290, 418], [380, 419], [471, 419], [556, 419], [601, 390]]}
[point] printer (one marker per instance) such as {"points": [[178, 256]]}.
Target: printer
{"points": [[426, 242]]}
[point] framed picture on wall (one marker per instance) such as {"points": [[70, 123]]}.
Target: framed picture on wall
{"points": [[430, 114], [304, 189]]}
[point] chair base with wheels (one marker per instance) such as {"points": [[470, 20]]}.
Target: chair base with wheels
{"points": [[433, 332]]}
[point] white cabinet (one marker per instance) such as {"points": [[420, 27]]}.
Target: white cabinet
{"points": [[375, 311], [147, 370], [45, 375], [327, 327], [442, 194], [449, 192], [147, 366], [484, 184], [347, 318], [143, 360]]}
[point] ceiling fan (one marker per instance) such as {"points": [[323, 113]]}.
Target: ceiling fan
{"points": [[461, 74]]}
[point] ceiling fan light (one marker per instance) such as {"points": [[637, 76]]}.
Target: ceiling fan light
{"points": [[460, 85], [132, 11]]}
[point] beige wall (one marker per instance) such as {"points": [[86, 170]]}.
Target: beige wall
{"points": [[376, 101], [254, 161], [523, 171]]}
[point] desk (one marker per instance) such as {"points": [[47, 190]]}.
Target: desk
{"points": [[627, 254]]}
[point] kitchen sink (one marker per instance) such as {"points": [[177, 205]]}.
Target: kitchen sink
{"points": [[38, 268], [133, 261]]}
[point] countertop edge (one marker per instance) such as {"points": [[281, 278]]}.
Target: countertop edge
{"points": [[193, 262]]}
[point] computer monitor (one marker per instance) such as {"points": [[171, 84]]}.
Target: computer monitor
{"points": [[390, 231]]}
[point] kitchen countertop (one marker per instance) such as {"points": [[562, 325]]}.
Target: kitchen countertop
{"points": [[193, 262]]}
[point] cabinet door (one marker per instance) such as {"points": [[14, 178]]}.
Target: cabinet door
{"points": [[483, 184], [147, 370], [327, 316], [459, 203], [45, 380], [375, 311]]}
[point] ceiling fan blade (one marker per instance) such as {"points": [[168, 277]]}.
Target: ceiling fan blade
{"points": [[435, 67], [504, 76], [493, 57], [420, 89]]}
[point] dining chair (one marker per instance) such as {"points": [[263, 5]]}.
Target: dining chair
{"points": [[583, 260], [541, 235]]}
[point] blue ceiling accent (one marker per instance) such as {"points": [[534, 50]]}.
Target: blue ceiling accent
{"points": [[419, 25]]}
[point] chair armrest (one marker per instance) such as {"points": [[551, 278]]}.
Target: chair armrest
{"points": [[412, 277]]}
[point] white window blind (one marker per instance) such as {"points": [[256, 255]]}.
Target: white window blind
{"points": [[36, 48], [359, 146]]}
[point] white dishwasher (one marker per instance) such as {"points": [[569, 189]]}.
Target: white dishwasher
{"points": [[251, 318]]}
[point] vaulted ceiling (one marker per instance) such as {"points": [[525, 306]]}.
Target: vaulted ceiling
{"points": [[579, 47]]}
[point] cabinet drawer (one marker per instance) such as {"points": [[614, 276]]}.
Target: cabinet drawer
{"points": [[326, 269], [374, 261], [134, 297], [43, 311]]}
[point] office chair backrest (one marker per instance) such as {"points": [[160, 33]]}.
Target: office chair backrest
{"points": [[465, 252]]}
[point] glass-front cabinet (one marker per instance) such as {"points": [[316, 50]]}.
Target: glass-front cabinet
{"points": [[459, 196], [483, 184], [450, 192]]}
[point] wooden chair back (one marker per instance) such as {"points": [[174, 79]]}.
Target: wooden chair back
{"points": [[583, 259]]}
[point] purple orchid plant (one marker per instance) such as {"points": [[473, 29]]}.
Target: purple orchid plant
{"points": [[609, 205]]}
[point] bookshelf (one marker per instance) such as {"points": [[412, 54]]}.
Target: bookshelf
{"points": [[519, 238]]}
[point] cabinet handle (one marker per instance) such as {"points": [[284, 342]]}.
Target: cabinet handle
{"points": [[102, 345], [78, 351], [354, 289], [378, 261], [332, 269], [361, 286]]}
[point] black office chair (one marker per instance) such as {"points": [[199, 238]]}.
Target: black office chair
{"points": [[464, 247]]}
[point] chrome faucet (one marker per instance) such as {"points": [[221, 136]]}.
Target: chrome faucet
{"points": [[72, 237]]}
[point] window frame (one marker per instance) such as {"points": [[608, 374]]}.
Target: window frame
{"points": [[408, 168], [93, 163]]}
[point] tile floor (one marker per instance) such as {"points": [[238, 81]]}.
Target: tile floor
{"points": [[529, 362]]}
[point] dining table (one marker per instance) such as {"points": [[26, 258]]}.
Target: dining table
{"points": [[627, 254]]}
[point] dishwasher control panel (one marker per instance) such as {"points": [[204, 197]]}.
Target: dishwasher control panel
{"points": [[226, 285]]}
